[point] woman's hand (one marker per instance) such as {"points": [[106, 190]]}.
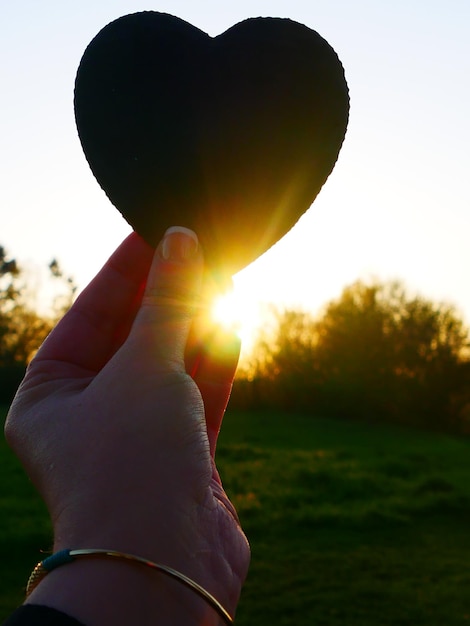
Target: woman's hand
{"points": [[119, 440]]}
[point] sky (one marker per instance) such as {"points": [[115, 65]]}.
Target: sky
{"points": [[396, 206]]}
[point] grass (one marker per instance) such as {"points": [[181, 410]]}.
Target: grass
{"points": [[24, 529], [348, 523]]}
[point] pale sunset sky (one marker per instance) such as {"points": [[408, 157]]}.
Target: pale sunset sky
{"points": [[397, 204]]}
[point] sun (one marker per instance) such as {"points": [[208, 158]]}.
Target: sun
{"points": [[228, 311], [238, 314]]}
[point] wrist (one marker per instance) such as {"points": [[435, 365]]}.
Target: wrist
{"points": [[177, 543], [101, 591]]}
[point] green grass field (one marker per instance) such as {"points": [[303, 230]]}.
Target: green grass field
{"points": [[349, 524]]}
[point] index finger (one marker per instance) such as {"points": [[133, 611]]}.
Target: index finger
{"points": [[100, 319]]}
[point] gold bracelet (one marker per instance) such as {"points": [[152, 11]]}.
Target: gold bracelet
{"points": [[68, 556]]}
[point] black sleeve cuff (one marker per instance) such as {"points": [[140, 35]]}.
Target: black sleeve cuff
{"points": [[37, 615]]}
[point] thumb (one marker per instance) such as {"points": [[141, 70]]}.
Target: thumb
{"points": [[170, 302]]}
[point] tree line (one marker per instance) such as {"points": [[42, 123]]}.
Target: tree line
{"points": [[376, 353]]}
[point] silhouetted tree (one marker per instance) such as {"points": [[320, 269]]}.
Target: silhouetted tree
{"points": [[374, 353], [64, 300], [283, 366], [22, 328], [387, 354]]}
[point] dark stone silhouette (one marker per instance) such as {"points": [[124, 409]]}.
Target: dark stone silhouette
{"points": [[231, 136]]}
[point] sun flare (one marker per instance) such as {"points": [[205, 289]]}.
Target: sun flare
{"points": [[228, 311], [237, 314]]}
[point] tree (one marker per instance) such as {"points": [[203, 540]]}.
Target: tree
{"points": [[63, 300], [393, 355], [374, 353], [283, 366], [8, 289], [22, 328]]}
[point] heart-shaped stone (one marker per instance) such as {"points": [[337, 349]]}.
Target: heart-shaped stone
{"points": [[231, 136]]}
